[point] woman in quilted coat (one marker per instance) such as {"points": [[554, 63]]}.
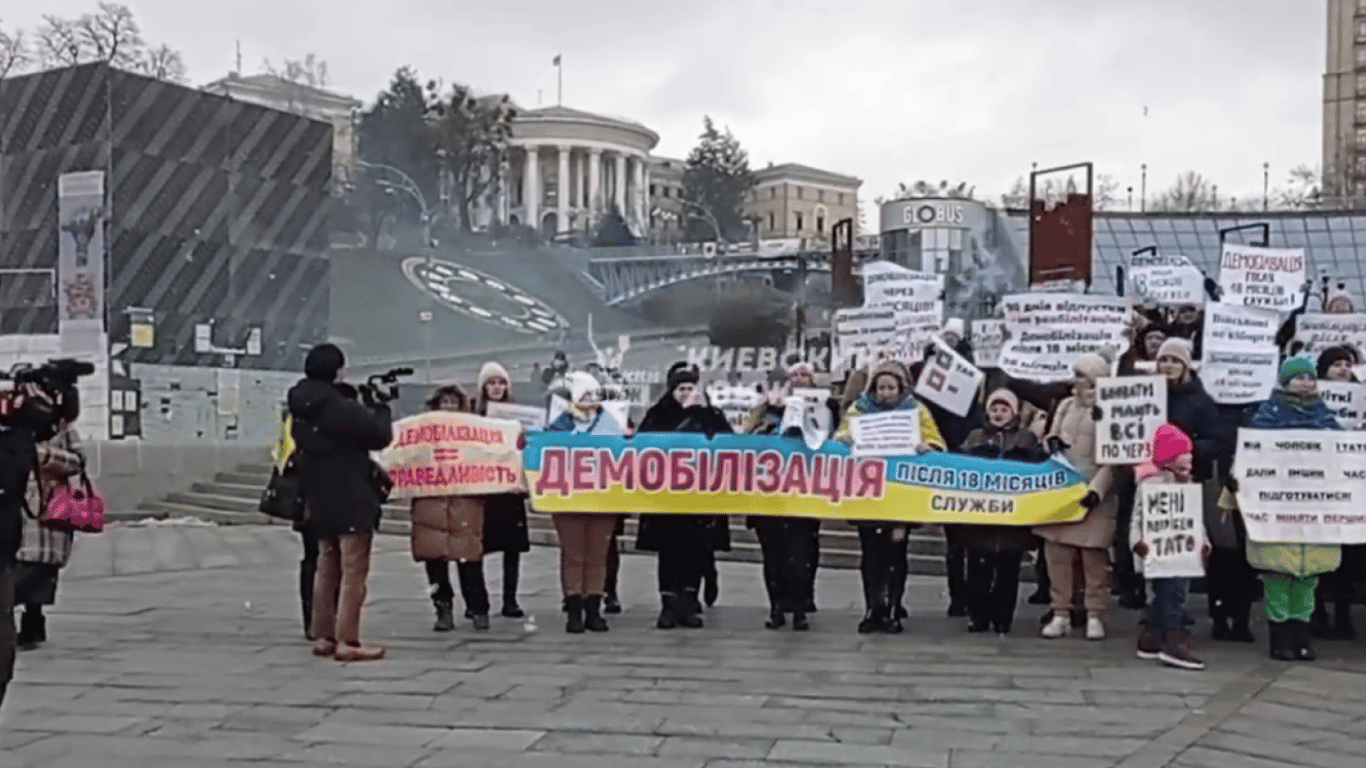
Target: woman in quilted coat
{"points": [[450, 529], [45, 551]]}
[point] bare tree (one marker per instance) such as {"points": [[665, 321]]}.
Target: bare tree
{"points": [[1191, 192], [1105, 191], [111, 35], [470, 136], [14, 54], [163, 63], [1302, 190], [303, 75], [59, 43]]}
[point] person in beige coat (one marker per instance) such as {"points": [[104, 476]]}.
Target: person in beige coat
{"points": [[1073, 434], [450, 529], [45, 551]]}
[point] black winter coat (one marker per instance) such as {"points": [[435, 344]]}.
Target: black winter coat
{"points": [[668, 415], [334, 435], [1191, 408]]}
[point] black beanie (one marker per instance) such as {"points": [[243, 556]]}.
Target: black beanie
{"points": [[323, 362], [1332, 355], [684, 375]]}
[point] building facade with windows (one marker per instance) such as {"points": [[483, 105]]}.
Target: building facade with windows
{"points": [[666, 199], [797, 201], [1344, 101]]}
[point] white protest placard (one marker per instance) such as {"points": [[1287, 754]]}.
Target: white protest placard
{"points": [[1047, 331], [1347, 401], [529, 416], [1157, 259], [1172, 523], [1262, 277], [1302, 485], [890, 433], [1170, 284], [987, 337], [805, 409], [949, 380], [1319, 332], [1240, 355], [861, 332], [888, 284], [1132, 408]]}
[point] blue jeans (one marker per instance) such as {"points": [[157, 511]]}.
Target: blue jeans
{"points": [[1168, 610]]}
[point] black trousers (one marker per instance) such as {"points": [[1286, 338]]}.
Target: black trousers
{"points": [[1127, 577], [7, 631], [955, 560], [472, 586], [1232, 585], [993, 586], [682, 557], [882, 565], [308, 569], [789, 549]]}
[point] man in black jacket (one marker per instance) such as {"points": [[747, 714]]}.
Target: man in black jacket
{"points": [[335, 434]]}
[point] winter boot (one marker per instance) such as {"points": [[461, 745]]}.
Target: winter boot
{"points": [[872, 621], [668, 611], [592, 614], [799, 622], [573, 606], [1219, 628], [481, 621], [777, 619], [1301, 643], [512, 566], [1151, 642], [711, 586], [32, 629], [1278, 640], [611, 604], [688, 608], [1176, 652], [445, 616]]}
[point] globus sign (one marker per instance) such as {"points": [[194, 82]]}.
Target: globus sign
{"points": [[934, 213]]}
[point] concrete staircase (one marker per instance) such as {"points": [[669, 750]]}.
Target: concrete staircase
{"points": [[231, 498]]}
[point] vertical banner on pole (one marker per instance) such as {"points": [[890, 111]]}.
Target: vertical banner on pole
{"points": [[81, 217]]}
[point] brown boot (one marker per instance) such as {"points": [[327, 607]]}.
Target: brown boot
{"points": [[359, 652], [1150, 642], [1176, 652]]}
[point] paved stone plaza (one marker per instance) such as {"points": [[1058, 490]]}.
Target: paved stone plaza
{"points": [[180, 645]]}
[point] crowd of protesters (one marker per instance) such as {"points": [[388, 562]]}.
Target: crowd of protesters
{"points": [[1081, 567]]}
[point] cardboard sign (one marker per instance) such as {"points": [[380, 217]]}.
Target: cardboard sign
{"points": [[889, 433], [1047, 331], [529, 416], [1319, 332], [949, 380], [1170, 520], [445, 453], [1240, 355], [1132, 408], [1262, 277], [1302, 485], [988, 336], [1347, 400], [888, 284], [1171, 285]]}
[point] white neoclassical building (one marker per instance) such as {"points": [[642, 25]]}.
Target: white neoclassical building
{"points": [[568, 167]]}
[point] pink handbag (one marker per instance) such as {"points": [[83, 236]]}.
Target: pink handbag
{"points": [[77, 509]]}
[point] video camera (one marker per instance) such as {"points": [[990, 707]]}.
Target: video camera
{"points": [[382, 387], [56, 379]]}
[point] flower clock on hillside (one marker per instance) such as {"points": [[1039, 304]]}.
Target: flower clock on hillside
{"points": [[482, 296]]}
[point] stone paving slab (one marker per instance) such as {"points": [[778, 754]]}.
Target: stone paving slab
{"points": [[181, 646]]}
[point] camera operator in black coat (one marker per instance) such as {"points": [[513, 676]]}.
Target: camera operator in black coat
{"points": [[335, 434]]}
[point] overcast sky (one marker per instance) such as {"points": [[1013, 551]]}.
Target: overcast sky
{"points": [[886, 90]]}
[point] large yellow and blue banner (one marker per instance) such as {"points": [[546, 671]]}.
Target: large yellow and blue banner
{"points": [[758, 475]]}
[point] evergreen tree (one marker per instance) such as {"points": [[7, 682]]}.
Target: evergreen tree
{"points": [[715, 181], [612, 231]]}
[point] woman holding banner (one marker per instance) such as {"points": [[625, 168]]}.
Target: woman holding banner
{"points": [[584, 537], [1290, 571], [681, 541], [505, 523], [883, 544], [1073, 433], [1335, 365]]}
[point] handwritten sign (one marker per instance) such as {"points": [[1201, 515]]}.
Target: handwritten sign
{"points": [[888, 284], [1302, 485], [861, 333], [1047, 331], [529, 416], [1347, 401], [1170, 520], [1168, 284], [987, 338], [1319, 332], [949, 380], [1240, 355], [1132, 408], [890, 433], [1262, 277], [444, 453]]}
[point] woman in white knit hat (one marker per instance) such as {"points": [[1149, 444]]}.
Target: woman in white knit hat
{"points": [[505, 523]]}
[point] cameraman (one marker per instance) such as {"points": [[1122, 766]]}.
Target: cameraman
{"points": [[27, 417], [334, 435]]}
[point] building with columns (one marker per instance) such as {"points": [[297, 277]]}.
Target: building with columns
{"points": [[794, 200], [568, 167]]}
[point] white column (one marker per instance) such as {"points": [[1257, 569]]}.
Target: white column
{"points": [[531, 187], [594, 186], [562, 192], [639, 198], [619, 192], [503, 179]]}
